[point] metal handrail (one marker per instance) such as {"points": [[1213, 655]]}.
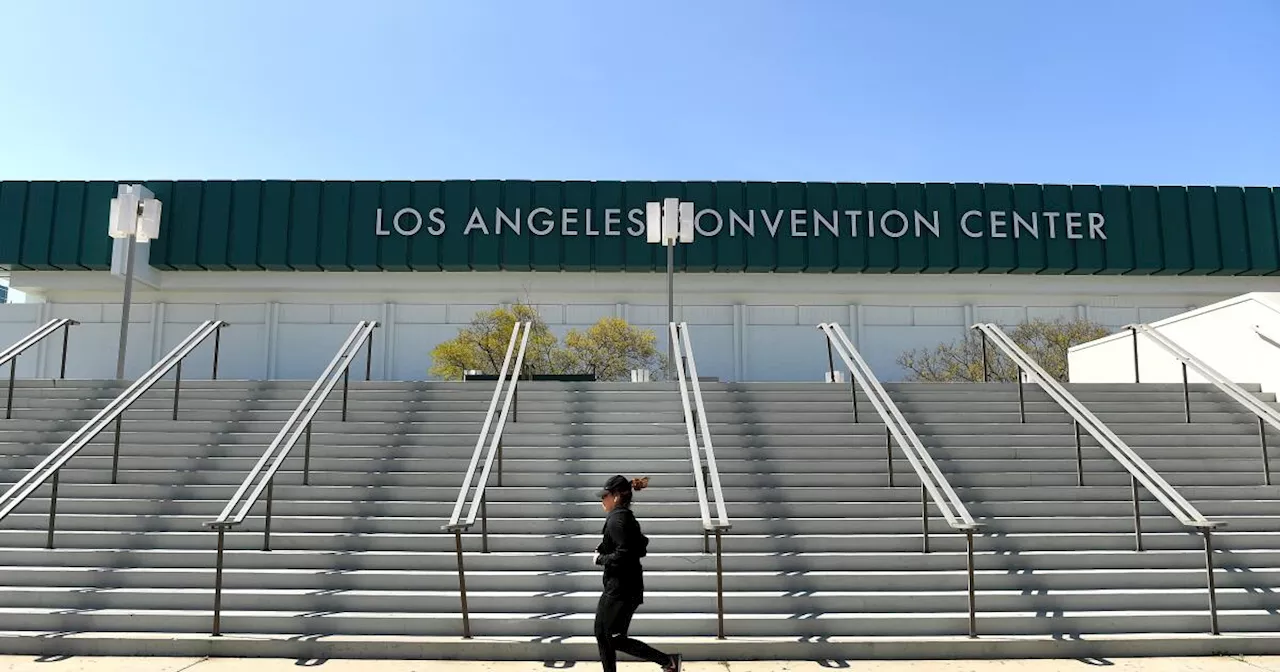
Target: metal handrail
{"points": [[262, 476], [10, 354], [1266, 414], [682, 358], [932, 478], [686, 359], [1266, 335], [1139, 470], [933, 484], [457, 525], [690, 425], [49, 467]]}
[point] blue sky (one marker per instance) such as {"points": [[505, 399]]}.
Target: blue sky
{"points": [[1084, 91]]}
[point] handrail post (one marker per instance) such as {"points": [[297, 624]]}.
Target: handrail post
{"points": [[1186, 393], [1137, 515], [1266, 460], [306, 459], [973, 598], [1137, 376], [217, 350], [888, 453], [217, 585], [462, 585], [924, 514], [266, 531], [853, 394], [499, 463], [831, 362], [1213, 593], [13, 372], [986, 372], [66, 338], [53, 508], [177, 388], [346, 386], [115, 454], [515, 407], [484, 524], [368, 361], [1022, 406], [719, 586], [1079, 457]]}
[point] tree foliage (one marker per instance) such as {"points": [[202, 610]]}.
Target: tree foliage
{"points": [[1045, 341], [610, 349]]}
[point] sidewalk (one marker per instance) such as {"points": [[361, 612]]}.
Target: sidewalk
{"points": [[76, 664]]}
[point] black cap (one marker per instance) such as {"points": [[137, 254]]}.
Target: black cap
{"points": [[615, 484]]}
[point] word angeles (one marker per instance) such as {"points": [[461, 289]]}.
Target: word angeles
{"points": [[793, 223]]}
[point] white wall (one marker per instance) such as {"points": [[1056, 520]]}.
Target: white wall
{"points": [[1222, 335], [755, 327]]}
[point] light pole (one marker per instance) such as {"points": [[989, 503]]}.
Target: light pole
{"points": [[668, 223], [135, 216]]}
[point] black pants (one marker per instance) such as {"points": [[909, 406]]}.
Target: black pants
{"points": [[613, 618]]}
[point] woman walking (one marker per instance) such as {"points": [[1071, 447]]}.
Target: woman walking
{"points": [[619, 553]]}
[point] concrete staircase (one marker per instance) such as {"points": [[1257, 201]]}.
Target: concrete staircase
{"points": [[822, 549]]}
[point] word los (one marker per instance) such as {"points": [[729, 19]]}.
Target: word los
{"points": [[794, 223]]}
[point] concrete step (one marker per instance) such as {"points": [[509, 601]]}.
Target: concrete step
{"points": [[646, 623]]}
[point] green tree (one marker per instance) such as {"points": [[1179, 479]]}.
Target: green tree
{"points": [[482, 345], [610, 349], [1045, 341]]}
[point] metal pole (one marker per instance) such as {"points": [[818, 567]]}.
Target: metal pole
{"points": [[368, 361], [462, 586], [306, 459], [986, 373], [1079, 457], [1137, 515], [1137, 377], [515, 403], [499, 464], [217, 350], [1213, 592], [671, 305], [13, 372], [217, 587], [1266, 461], [53, 508], [924, 515], [853, 387], [719, 588], [484, 524], [973, 598], [177, 388], [266, 532], [888, 453], [66, 337], [1022, 406], [130, 247], [115, 454], [831, 361], [346, 385], [1186, 392]]}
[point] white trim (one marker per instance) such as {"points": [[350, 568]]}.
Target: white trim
{"points": [[1265, 299]]}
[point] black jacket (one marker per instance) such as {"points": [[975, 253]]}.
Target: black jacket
{"points": [[620, 552]]}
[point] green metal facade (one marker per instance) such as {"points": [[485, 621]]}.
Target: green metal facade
{"points": [[580, 226]]}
